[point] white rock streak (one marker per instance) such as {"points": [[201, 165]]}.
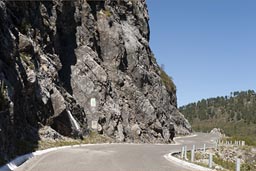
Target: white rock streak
{"points": [[73, 121]]}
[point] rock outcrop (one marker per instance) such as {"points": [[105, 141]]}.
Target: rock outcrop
{"points": [[78, 66]]}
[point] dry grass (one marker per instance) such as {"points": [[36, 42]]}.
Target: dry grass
{"points": [[92, 138]]}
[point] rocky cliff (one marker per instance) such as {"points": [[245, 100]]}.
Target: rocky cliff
{"points": [[78, 66]]}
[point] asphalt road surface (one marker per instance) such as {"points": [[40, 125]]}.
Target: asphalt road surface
{"points": [[115, 157]]}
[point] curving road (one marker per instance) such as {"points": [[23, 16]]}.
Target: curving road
{"points": [[114, 157]]}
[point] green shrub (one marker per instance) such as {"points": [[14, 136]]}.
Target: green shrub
{"points": [[225, 164], [248, 167], [107, 13], [169, 84], [27, 59]]}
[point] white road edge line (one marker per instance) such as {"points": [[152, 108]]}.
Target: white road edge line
{"points": [[183, 163], [186, 136]]}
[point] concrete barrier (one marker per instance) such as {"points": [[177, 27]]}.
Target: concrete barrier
{"points": [[185, 164]]}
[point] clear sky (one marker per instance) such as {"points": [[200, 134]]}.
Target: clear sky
{"points": [[208, 47]]}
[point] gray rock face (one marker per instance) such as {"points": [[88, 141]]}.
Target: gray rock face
{"points": [[87, 65], [122, 75]]}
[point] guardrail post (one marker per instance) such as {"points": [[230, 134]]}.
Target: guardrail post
{"points": [[238, 164], [210, 160], [193, 154], [185, 151], [182, 152], [204, 148]]}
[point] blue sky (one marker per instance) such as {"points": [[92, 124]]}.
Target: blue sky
{"points": [[208, 47]]}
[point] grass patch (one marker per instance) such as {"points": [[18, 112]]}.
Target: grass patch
{"points": [[27, 59], [107, 13], [225, 164], [189, 155], [92, 138], [42, 145], [198, 156], [202, 164], [248, 167]]}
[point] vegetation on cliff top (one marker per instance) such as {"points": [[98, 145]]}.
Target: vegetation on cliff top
{"points": [[168, 82]]}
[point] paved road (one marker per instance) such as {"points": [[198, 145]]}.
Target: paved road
{"points": [[114, 157]]}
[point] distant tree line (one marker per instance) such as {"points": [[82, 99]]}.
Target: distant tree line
{"points": [[239, 106], [235, 114]]}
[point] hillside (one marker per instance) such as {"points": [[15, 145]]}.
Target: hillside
{"points": [[235, 114], [77, 67]]}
